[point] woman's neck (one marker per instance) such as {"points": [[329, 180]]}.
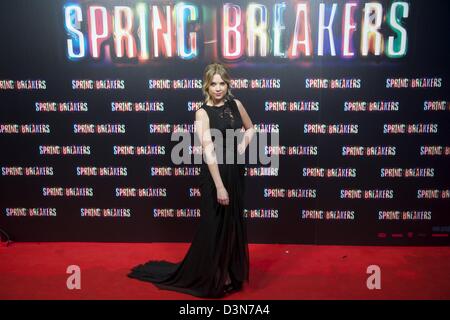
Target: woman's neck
{"points": [[216, 102]]}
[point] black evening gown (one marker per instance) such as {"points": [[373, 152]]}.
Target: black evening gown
{"points": [[218, 254]]}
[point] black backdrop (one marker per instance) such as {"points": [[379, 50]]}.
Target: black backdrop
{"points": [[34, 47]]}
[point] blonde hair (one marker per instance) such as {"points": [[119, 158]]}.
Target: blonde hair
{"points": [[210, 71]]}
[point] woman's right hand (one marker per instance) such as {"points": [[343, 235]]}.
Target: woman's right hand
{"points": [[222, 196]]}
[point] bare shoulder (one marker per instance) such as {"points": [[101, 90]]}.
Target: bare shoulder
{"points": [[239, 104], [247, 122], [200, 114]]}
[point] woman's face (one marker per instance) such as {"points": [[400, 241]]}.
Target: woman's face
{"points": [[218, 88]]}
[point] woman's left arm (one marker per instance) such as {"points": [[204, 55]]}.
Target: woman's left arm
{"points": [[248, 125]]}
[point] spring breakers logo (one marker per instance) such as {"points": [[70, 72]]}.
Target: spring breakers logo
{"points": [[110, 31]]}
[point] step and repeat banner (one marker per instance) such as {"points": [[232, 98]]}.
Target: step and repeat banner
{"points": [[91, 93]]}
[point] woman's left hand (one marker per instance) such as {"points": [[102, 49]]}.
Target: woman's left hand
{"points": [[241, 148]]}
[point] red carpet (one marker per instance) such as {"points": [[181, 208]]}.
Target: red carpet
{"points": [[38, 271]]}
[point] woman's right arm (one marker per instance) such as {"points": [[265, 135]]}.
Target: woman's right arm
{"points": [[204, 135]]}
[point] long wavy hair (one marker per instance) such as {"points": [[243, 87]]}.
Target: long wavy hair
{"points": [[210, 71]]}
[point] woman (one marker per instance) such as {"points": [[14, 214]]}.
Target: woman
{"points": [[217, 261]]}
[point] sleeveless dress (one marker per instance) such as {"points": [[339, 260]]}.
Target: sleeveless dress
{"points": [[217, 261]]}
